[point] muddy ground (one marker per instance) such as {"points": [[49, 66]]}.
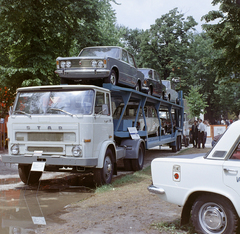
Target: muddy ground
{"points": [[127, 208]]}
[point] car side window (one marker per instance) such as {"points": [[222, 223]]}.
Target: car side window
{"points": [[131, 60], [125, 56], [156, 76], [236, 153]]}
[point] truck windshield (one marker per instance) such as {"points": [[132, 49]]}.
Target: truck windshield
{"points": [[55, 102]]}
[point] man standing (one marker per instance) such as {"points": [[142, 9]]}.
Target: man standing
{"points": [[201, 130], [194, 134]]}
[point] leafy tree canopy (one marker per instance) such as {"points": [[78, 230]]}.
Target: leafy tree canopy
{"points": [[34, 33], [164, 46], [226, 36]]}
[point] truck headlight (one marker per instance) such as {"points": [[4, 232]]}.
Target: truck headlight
{"points": [[15, 149], [77, 151]]}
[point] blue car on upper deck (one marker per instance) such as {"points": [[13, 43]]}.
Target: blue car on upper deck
{"points": [[100, 64]]}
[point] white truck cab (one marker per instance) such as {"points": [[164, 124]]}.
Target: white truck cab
{"points": [[67, 127]]}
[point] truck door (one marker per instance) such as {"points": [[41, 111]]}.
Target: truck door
{"points": [[231, 171], [103, 123]]}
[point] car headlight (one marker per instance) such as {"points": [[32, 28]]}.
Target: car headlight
{"points": [[15, 149], [68, 64], [94, 63], [77, 151], [62, 64], [100, 63]]}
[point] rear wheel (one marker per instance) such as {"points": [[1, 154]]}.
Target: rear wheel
{"points": [[27, 176], [137, 164], [214, 214], [104, 175]]}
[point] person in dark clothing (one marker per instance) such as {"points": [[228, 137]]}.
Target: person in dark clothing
{"points": [[201, 130], [194, 134]]}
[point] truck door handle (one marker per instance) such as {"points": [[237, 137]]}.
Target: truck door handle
{"points": [[230, 170]]}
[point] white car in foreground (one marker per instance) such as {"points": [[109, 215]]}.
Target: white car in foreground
{"points": [[206, 186]]}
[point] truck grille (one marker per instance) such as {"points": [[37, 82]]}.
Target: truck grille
{"points": [[45, 149]]}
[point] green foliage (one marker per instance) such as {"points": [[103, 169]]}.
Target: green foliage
{"points": [[164, 46], [34, 33], [196, 102], [226, 36]]}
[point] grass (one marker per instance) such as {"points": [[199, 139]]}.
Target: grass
{"points": [[136, 177], [173, 227]]}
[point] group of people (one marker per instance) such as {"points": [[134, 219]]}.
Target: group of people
{"points": [[199, 133]]}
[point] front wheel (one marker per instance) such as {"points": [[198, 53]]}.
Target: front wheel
{"points": [[104, 175], [112, 79], [214, 214], [27, 176]]}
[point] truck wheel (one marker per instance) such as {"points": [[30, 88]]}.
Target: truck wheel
{"points": [[104, 175], [137, 164], [214, 214], [112, 79], [24, 171], [127, 164]]}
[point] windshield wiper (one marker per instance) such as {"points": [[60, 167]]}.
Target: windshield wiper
{"points": [[56, 109], [22, 112]]}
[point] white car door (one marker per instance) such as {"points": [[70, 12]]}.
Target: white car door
{"points": [[231, 171]]}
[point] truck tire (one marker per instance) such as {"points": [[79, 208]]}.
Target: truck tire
{"points": [[127, 164], [27, 176], [214, 214], [137, 164], [104, 175]]}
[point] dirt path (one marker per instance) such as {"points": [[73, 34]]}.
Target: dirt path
{"points": [[124, 209]]}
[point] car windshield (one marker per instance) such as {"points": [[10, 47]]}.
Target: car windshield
{"points": [[54, 102], [167, 84], [113, 52], [146, 72]]}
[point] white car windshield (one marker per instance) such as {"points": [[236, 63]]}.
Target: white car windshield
{"points": [[54, 102], [113, 52]]}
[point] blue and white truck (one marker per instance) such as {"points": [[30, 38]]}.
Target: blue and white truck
{"points": [[71, 128]]}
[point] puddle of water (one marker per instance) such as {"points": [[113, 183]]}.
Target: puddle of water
{"points": [[24, 209]]}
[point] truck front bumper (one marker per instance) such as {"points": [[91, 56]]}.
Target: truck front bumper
{"points": [[54, 160]]}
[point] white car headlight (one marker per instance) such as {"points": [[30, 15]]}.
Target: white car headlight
{"points": [[68, 64], [77, 151], [94, 63], [15, 149], [100, 63], [62, 64]]}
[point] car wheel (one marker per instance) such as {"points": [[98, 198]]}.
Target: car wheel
{"points": [[27, 176], [214, 214], [137, 164], [137, 87], [104, 175], [112, 79], [150, 92]]}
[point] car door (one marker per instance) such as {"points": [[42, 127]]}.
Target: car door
{"points": [[157, 85], [231, 171], [133, 70], [125, 70]]}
